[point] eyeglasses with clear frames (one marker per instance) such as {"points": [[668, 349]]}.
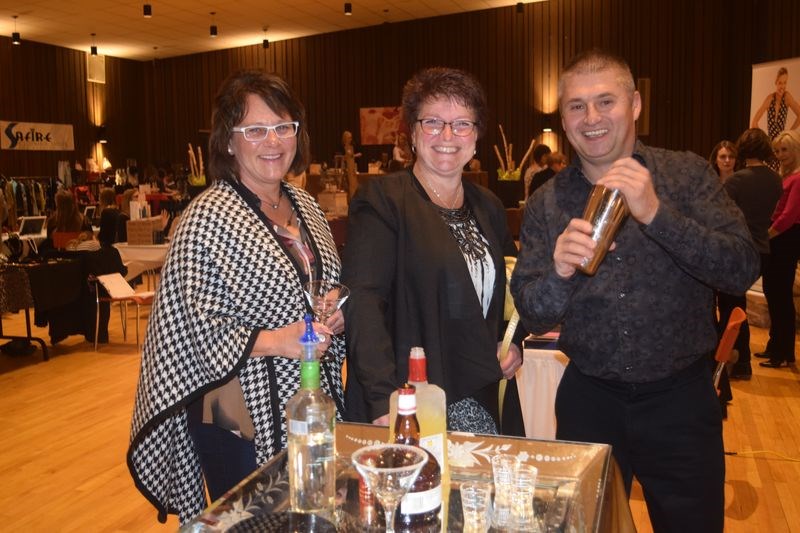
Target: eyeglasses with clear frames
{"points": [[435, 126], [284, 130]]}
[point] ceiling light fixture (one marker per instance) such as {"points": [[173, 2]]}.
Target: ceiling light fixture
{"points": [[212, 30], [93, 48], [348, 9], [520, 8], [148, 11], [265, 42], [15, 39]]}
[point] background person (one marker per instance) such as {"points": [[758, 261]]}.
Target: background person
{"points": [[784, 253], [755, 189], [638, 332], [402, 151], [66, 218], [556, 162], [537, 165], [424, 263], [105, 260], [723, 159], [220, 357]]}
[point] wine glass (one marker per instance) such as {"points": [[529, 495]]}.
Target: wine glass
{"points": [[389, 470], [325, 297]]}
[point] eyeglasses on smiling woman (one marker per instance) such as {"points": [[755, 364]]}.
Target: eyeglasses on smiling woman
{"points": [[284, 130], [435, 126]]}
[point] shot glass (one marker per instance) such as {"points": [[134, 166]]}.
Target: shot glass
{"points": [[504, 467], [522, 498], [476, 506]]}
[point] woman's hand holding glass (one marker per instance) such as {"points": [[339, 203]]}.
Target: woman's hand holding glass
{"points": [[285, 341]]}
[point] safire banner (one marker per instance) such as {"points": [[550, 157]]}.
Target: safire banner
{"points": [[35, 136]]}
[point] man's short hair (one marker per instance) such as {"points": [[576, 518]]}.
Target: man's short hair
{"points": [[539, 151], [597, 60]]}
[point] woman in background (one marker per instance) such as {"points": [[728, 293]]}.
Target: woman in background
{"points": [[439, 281], [66, 218], [755, 188], [105, 260], [784, 253], [723, 159]]}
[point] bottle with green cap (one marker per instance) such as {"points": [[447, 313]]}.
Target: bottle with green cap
{"points": [[310, 419]]}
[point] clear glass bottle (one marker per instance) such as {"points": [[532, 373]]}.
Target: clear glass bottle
{"points": [[310, 419], [419, 508]]}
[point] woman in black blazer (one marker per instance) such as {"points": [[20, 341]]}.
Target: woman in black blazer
{"points": [[424, 262]]}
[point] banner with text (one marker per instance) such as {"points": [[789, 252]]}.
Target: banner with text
{"points": [[35, 136]]}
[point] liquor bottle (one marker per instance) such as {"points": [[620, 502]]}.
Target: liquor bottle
{"points": [[310, 419], [431, 413], [419, 508]]}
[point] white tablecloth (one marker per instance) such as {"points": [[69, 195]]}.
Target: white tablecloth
{"points": [[538, 381], [139, 258]]}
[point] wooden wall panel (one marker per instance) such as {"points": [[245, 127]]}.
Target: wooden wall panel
{"points": [[43, 83], [698, 56]]}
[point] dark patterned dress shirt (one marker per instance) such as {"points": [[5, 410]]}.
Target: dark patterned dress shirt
{"points": [[647, 312]]}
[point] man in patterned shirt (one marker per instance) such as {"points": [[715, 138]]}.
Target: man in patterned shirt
{"points": [[639, 332]]}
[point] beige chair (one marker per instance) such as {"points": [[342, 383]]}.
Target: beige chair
{"points": [[120, 291]]}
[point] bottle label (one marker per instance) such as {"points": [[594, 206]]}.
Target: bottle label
{"points": [[298, 427], [435, 445], [421, 502]]}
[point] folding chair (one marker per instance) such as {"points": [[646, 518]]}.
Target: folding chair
{"points": [[119, 290]]}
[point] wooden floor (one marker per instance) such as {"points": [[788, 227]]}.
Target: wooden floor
{"points": [[64, 430]]}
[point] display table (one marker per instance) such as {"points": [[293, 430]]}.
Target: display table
{"points": [[141, 258], [537, 382], [578, 487]]}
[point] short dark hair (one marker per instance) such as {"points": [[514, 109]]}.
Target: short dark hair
{"points": [[597, 60], [754, 144], [443, 82], [230, 107], [539, 151]]}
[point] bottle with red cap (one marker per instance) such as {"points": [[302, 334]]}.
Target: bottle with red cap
{"points": [[420, 507], [431, 411]]}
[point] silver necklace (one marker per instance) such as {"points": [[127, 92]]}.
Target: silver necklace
{"points": [[276, 204], [439, 196]]}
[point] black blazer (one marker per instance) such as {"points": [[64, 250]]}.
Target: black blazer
{"points": [[410, 287]]}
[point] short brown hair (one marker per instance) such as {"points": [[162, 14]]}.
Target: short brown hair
{"points": [[597, 60], [753, 144], [230, 107], [443, 82]]}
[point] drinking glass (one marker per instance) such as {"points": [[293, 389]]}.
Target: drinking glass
{"points": [[325, 297], [389, 470], [522, 497], [476, 506], [504, 467]]}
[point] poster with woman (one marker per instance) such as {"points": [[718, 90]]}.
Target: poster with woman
{"points": [[379, 125], [774, 103]]}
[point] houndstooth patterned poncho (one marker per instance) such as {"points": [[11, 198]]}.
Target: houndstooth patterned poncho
{"points": [[226, 277]]}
